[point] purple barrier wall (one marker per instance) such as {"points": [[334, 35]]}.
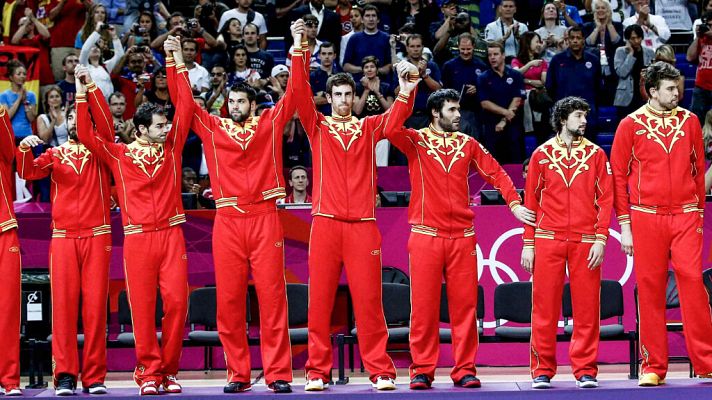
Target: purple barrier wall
{"points": [[499, 247]]}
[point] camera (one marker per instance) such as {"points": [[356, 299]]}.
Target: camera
{"points": [[462, 18], [104, 27], [141, 49], [206, 9], [192, 23], [703, 27]]}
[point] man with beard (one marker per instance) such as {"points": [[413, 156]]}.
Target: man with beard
{"points": [[80, 250], [244, 158], [148, 181], [344, 227], [570, 188], [442, 239], [658, 168], [132, 79]]}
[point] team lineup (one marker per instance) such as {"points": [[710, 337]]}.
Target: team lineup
{"points": [[654, 182]]}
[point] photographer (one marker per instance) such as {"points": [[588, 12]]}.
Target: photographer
{"points": [[699, 52], [446, 47], [143, 32], [132, 74], [187, 30], [99, 59], [207, 15]]}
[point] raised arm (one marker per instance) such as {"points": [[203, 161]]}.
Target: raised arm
{"points": [[180, 92], [100, 144], [100, 111], [7, 137], [394, 118], [308, 114]]}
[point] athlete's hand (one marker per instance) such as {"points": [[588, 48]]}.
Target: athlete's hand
{"points": [[627, 239], [524, 215], [595, 255], [298, 29], [82, 78], [30, 141], [528, 259], [408, 77]]}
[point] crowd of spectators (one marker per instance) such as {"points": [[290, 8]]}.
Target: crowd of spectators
{"points": [[510, 60]]}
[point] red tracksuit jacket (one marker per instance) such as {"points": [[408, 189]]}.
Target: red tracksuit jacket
{"points": [[7, 178], [571, 192], [653, 155], [148, 176], [80, 190], [244, 160], [343, 150], [439, 164]]}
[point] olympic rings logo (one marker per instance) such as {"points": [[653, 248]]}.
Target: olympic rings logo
{"points": [[495, 266]]}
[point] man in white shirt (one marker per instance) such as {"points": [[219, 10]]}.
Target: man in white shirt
{"points": [[245, 15], [506, 29], [199, 76], [655, 29]]}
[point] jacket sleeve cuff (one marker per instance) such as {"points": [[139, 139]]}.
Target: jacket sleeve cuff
{"points": [[82, 98], [514, 205], [624, 219]]}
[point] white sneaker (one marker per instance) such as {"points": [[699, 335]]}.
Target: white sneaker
{"points": [[384, 383], [96, 388], [316, 385], [171, 385], [15, 391]]}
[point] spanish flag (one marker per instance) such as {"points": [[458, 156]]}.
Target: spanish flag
{"points": [[28, 56]]}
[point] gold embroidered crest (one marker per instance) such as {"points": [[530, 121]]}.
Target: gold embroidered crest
{"points": [[241, 134]]}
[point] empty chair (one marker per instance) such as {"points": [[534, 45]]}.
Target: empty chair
{"points": [[127, 338], [298, 305], [513, 302], [611, 306], [396, 309], [446, 333], [394, 275]]}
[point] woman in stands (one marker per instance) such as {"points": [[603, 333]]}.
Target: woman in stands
{"points": [[96, 56], [143, 32], [51, 126], [95, 17], [530, 63], [231, 37], [241, 72], [20, 103]]}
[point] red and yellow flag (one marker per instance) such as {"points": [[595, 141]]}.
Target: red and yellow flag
{"points": [[28, 56]]}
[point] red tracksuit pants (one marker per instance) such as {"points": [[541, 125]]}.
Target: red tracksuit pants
{"points": [[79, 268], [244, 245], [10, 305], [657, 240], [356, 245], [550, 261], [430, 259], [157, 260]]}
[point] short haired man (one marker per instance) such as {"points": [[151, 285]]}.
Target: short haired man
{"points": [[370, 42], [244, 158], [245, 14], [69, 89], [199, 76], [442, 240], [317, 78], [655, 28], [260, 60], [658, 169], [506, 29], [151, 211], [570, 188], [430, 80], [344, 229], [123, 127], [80, 250], [298, 181]]}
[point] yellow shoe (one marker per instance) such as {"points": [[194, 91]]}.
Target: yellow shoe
{"points": [[650, 379], [706, 376]]}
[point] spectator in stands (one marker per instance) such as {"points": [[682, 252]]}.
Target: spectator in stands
{"points": [[439, 28], [446, 47], [575, 72], [700, 51], [533, 68], [677, 13], [319, 76], [51, 127], [373, 96], [144, 32], [95, 16], [525, 168], [188, 30], [231, 36], [568, 14], [66, 18], [603, 31], [199, 76], [242, 73], [655, 29], [176, 27], [12, 12], [95, 56], [328, 23], [298, 181], [295, 145], [245, 15], [551, 31], [279, 76], [666, 54], [420, 13], [33, 33], [461, 74], [21, 103], [705, 9], [215, 97], [158, 93], [501, 93], [356, 26], [134, 77], [430, 82], [311, 25], [630, 61], [370, 42], [123, 128], [343, 11], [116, 11], [506, 29], [260, 60], [68, 86], [707, 136], [190, 181], [622, 9]]}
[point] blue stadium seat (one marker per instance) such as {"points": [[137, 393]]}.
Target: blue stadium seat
{"points": [[605, 138], [687, 100], [607, 149], [611, 112], [529, 144], [689, 83], [607, 123], [680, 58], [688, 70]]}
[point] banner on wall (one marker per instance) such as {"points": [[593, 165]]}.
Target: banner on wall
{"points": [[29, 57]]}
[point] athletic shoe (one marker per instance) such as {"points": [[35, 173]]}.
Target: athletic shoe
{"points": [[469, 381], [280, 386], [237, 387], [420, 382], [149, 388], [587, 381], [66, 385], [13, 391], [705, 376], [316, 385], [541, 382], [650, 379], [95, 388], [171, 385], [384, 383]]}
